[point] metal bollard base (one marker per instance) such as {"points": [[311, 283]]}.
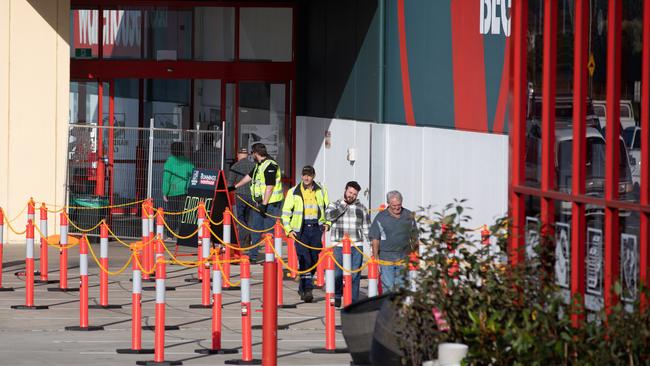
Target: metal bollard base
{"points": [[147, 363], [34, 307], [231, 288], [221, 351], [129, 351], [329, 351], [242, 362], [58, 289], [153, 288], [167, 327], [46, 281], [279, 327], [97, 306], [90, 328]]}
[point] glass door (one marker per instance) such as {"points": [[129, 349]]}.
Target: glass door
{"points": [[263, 116]]}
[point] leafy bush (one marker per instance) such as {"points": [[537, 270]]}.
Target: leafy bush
{"points": [[506, 314]]}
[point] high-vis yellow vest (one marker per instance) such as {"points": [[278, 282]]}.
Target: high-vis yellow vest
{"points": [[258, 185], [293, 208]]}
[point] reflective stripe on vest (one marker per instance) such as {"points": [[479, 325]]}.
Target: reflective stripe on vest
{"points": [[258, 186]]}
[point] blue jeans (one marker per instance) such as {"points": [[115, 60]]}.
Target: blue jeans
{"points": [[357, 259], [244, 213], [310, 235], [260, 223], [392, 277]]}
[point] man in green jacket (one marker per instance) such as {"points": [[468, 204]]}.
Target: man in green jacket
{"points": [[177, 171], [303, 217]]}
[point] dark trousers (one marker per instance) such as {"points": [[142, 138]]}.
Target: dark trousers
{"points": [[258, 222], [311, 235], [243, 212], [175, 204]]}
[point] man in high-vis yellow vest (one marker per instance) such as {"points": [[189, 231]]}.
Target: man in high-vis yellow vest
{"points": [[303, 217], [267, 193]]}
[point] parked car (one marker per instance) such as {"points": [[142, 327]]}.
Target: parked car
{"points": [[595, 159], [632, 137], [626, 116]]}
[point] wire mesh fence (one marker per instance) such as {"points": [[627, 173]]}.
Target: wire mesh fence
{"points": [[111, 168]]}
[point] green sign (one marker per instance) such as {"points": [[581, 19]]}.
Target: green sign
{"points": [[83, 53]]}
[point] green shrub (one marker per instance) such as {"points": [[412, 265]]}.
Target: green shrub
{"points": [[506, 314]]}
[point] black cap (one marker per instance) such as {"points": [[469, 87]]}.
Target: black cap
{"points": [[309, 170]]}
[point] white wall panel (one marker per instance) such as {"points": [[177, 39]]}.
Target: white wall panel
{"points": [[430, 166]]}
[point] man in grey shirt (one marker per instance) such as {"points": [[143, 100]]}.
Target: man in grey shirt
{"points": [[394, 235], [243, 196]]}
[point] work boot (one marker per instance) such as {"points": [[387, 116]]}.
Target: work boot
{"points": [[308, 297], [337, 302], [301, 294]]}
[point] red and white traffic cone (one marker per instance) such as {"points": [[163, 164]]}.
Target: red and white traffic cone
{"points": [[1, 251], [320, 269], [136, 309], [227, 252], [246, 336], [199, 223], [373, 278], [270, 314], [29, 271], [278, 231], [200, 218], [152, 246], [83, 289], [159, 256], [292, 258], [31, 209], [31, 215], [159, 337], [146, 264], [330, 312], [160, 228], [217, 301], [44, 246], [159, 253], [205, 283], [63, 256], [103, 272], [347, 271]]}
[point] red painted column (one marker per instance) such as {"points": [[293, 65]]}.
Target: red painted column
{"points": [[613, 130], [644, 263], [548, 115], [578, 184], [518, 130]]}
